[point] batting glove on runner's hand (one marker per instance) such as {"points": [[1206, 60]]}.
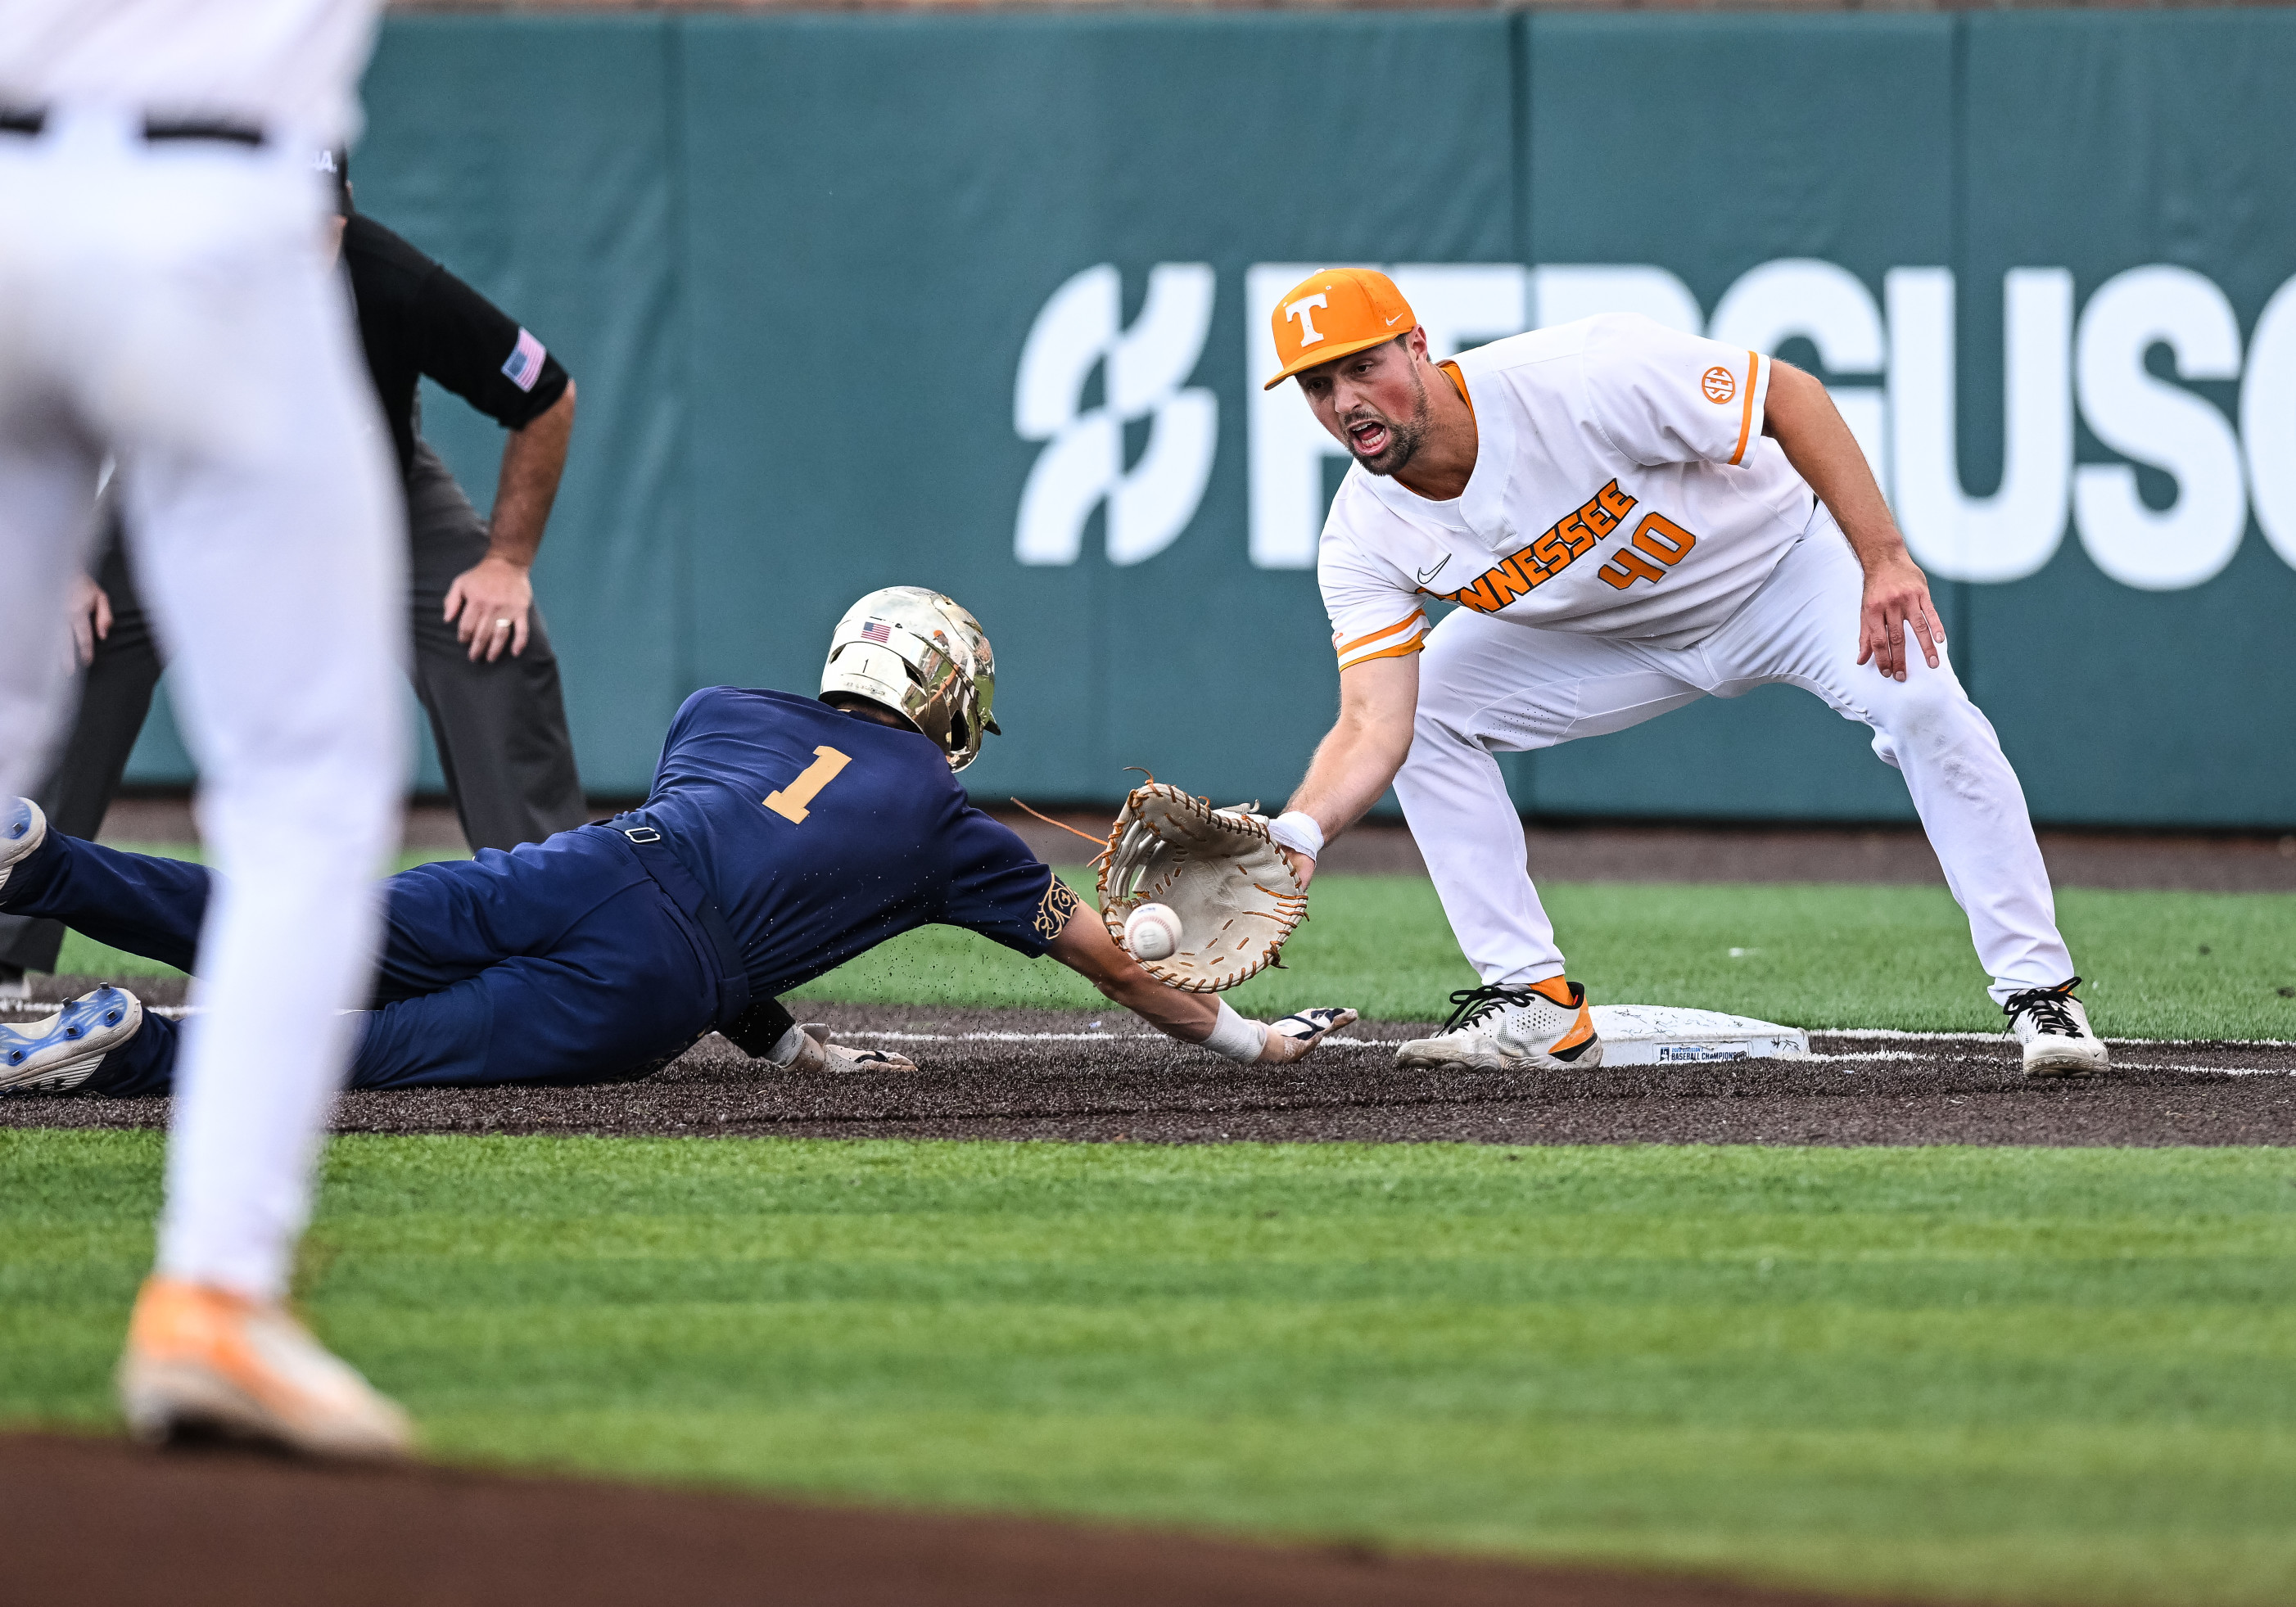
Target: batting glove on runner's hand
{"points": [[1295, 1037]]}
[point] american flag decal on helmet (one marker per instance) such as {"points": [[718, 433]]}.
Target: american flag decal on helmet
{"points": [[523, 366], [877, 630]]}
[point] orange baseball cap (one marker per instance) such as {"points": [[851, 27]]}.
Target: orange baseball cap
{"points": [[1331, 314]]}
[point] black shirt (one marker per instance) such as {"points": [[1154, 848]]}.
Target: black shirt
{"points": [[415, 318]]}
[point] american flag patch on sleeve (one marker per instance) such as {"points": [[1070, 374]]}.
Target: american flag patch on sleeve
{"points": [[523, 366]]}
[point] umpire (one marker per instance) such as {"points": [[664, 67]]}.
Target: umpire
{"points": [[482, 664]]}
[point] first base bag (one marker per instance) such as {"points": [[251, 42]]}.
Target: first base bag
{"points": [[1218, 869]]}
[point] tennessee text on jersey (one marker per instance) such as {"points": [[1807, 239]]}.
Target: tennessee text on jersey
{"points": [[1565, 542], [1656, 437]]}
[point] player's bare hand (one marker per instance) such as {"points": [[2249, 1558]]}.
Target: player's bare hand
{"points": [[487, 605], [1295, 1037], [90, 613], [1897, 607], [1301, 866]]}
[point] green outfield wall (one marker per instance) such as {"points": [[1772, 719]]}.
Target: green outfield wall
{"points": [[978, 303]]}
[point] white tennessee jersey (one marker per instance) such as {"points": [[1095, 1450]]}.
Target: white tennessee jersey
{"points": [[1622, 488], [291, 64]]}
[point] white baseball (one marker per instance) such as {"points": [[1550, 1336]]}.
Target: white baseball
{"points": [[1152, 931]]}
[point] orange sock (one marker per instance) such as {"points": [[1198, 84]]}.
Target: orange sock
{"points": [[1557, 988]]}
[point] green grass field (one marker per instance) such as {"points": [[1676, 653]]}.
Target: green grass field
{"points": [[2014, 1375], [2157, 964], [2060, 1375]]}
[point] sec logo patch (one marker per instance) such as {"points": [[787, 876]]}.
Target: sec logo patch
{"points": [[1719, 384]]}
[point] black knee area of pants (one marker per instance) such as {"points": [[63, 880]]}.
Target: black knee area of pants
{"points": [[757, 1029]]}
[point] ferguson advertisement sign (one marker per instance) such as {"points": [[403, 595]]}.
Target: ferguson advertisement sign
{"points": [[2121, 361]]}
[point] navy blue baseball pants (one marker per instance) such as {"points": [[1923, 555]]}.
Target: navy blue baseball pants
{"points": [[558, 962]]}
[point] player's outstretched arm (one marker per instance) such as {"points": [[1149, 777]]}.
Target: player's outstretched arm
{"points": [[1802, 419], [1358, 758], [1085, 947]]}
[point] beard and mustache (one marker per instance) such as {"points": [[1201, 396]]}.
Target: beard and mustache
{"points": [[1404, 436]]}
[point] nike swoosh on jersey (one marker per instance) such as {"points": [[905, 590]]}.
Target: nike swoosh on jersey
{"points": [[1425, 576]]}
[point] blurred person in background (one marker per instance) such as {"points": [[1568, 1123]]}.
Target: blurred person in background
{"points": [[483, 666], [166, 299]]}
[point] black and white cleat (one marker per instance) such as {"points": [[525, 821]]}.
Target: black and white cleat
{"points": [[2053, 1030]]}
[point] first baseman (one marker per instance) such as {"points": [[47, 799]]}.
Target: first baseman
{"points": [[1630, 519], [165, 298], [784, 836]]}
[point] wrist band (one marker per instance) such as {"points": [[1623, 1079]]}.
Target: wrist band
{"points": [[783, 1053], [1238, 1038], [1298, 831]]}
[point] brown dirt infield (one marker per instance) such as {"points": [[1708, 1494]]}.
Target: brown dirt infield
{"points": [[1017, 1074], [96, 1523]]}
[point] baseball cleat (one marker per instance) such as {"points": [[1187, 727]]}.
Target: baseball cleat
{"points": [[61, 1053], [205, 1362], [22, 828], [1544, 1026], [2053, 1028], [817, 1056]]}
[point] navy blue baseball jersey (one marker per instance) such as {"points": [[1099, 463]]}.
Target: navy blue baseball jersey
{"points": [[821, 834]]}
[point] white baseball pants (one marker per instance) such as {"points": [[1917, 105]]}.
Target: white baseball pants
{"points": [[171, 305], [1486, 685]]}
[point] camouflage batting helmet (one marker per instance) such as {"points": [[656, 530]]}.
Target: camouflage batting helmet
{"points": [[921, 655]]}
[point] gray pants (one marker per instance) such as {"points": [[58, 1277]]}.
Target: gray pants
{"points": [[500, 727]]}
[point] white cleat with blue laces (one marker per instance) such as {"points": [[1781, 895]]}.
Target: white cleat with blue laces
{"points": [[55, 1056], [22, 828]]}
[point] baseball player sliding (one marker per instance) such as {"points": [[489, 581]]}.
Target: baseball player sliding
{"points": [[1629, 519], [784, 836]]}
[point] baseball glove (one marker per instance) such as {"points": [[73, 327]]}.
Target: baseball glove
{"points": [[1218, 869]]}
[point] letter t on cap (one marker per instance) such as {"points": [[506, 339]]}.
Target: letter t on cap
{"points": [[1304, 310]]}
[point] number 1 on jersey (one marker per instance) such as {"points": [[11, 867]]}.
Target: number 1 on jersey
{"points": [[790, 802]]}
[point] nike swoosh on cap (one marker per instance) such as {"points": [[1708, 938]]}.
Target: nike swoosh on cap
{"points": [[1390, 323]]}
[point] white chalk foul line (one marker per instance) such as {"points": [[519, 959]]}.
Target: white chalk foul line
{"points": [[2122, 1065], [887, 1035], [1056, 1037], [178, 1012], [2001, 1037]]}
